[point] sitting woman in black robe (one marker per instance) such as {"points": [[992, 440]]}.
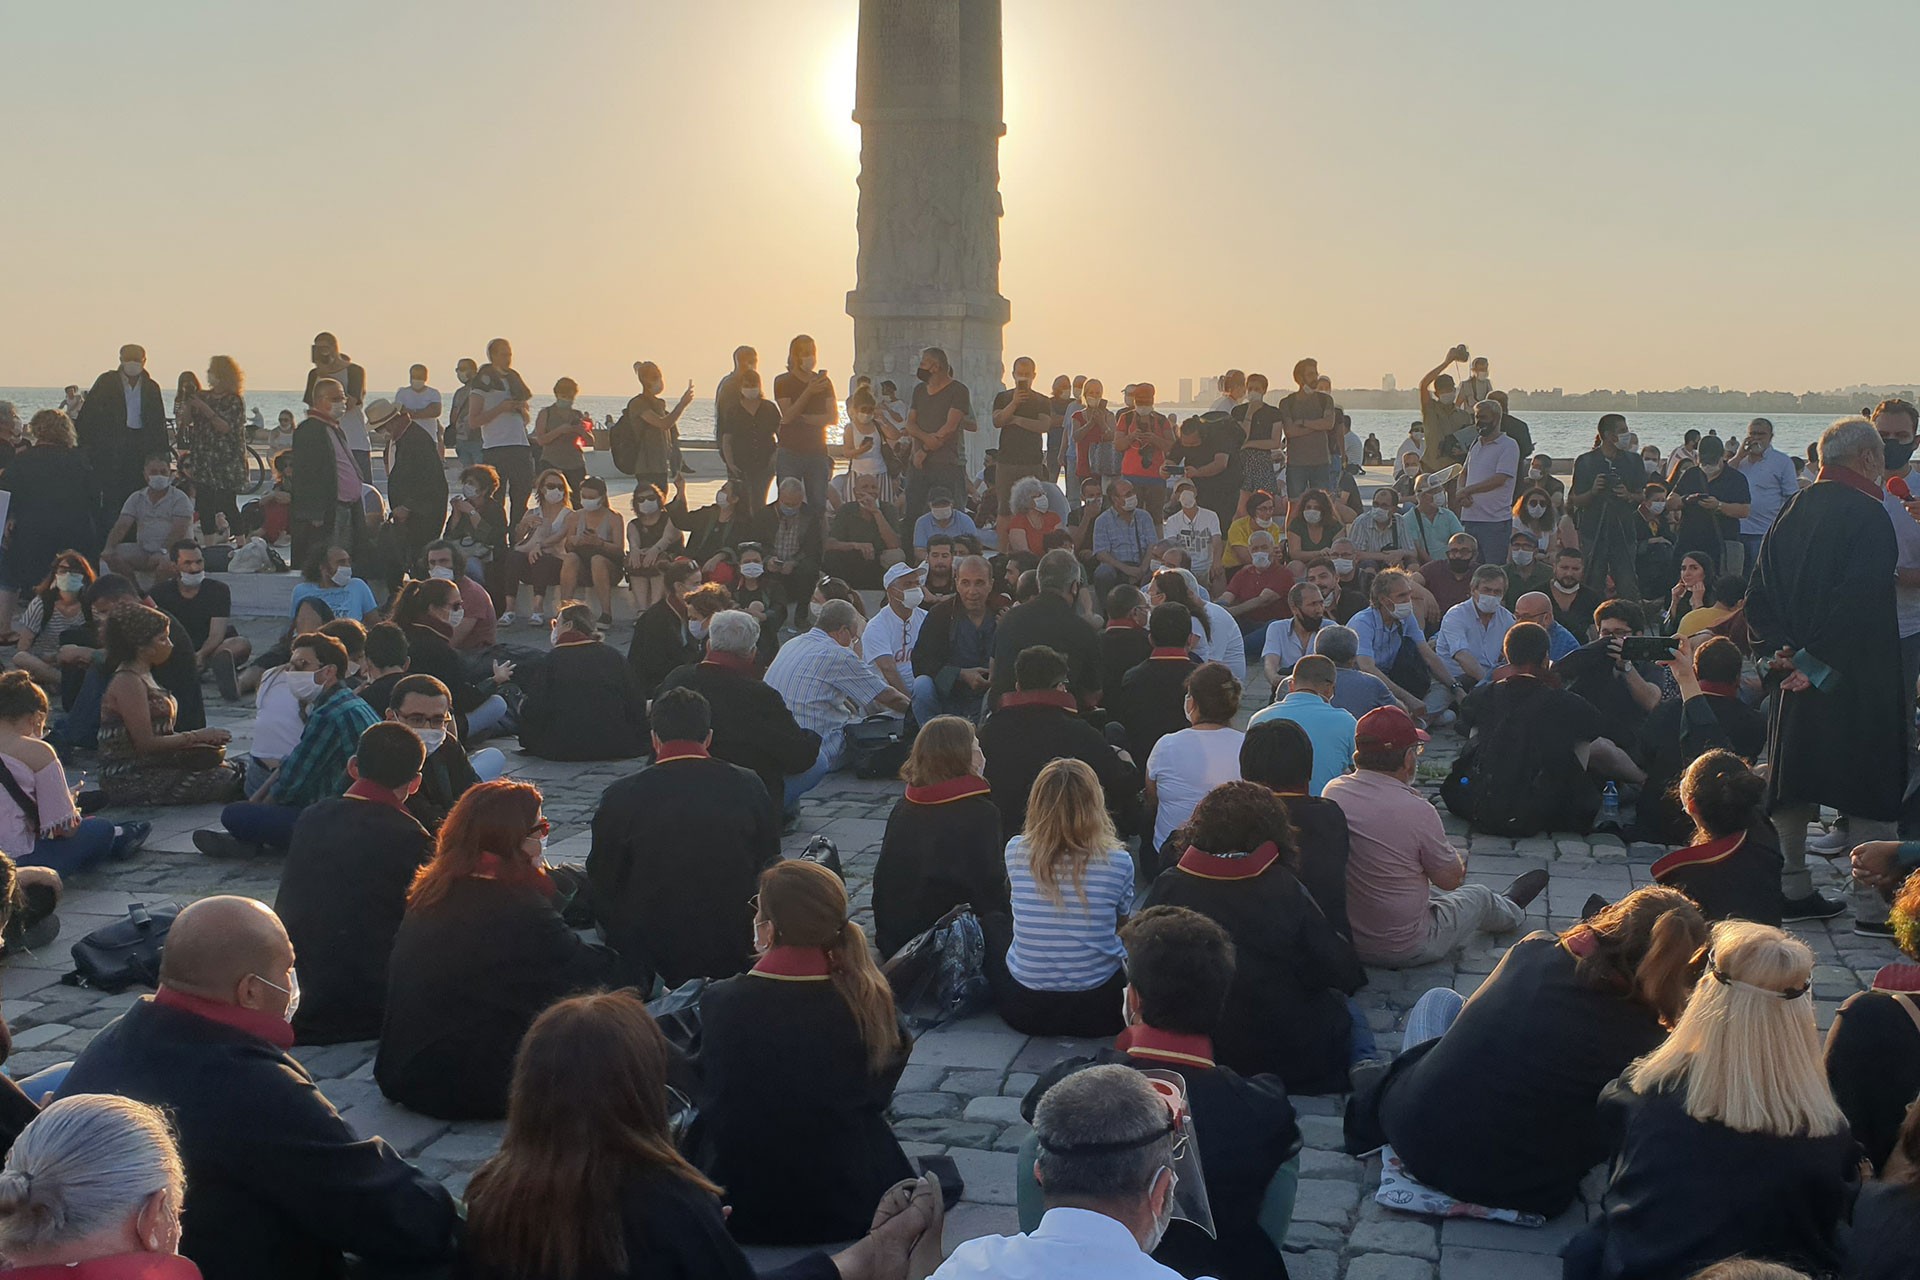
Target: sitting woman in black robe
{"points": [[1278, 755], [1873, 1047], [799, 1059], [942, 848], [1732, 868], [1287, 1008], [582, 703], [1498, 1110]]}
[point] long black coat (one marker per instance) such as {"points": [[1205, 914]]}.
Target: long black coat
{"points": [[418, 482], [1825, 584], [1033, 729], [937, 853], [117, 454], [51, 510], [582, 703], [660, 643], [752, 725]]}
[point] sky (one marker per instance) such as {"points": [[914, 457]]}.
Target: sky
{"points": [[1635, 195]]}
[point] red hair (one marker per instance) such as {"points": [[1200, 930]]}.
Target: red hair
{"points": [[491, 818]]}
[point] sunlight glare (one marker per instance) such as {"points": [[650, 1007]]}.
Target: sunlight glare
{"points": [[838, 70]]}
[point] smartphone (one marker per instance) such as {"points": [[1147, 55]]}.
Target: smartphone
{"points": [[1175, 469], [1649, 648]]}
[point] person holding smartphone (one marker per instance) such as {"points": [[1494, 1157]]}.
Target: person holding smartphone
{"points": [[1605, 497]]}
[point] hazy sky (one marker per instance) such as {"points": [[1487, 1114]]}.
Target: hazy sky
{"points": [[1636, 194]]}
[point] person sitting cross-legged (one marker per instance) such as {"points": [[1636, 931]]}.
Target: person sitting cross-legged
{"points": [[1150, 700], [316, 768], [1309, 704], [1708, 714], [1400, 853], [1038, 723], [343, 887], [1732, 868], [942, 846], [752, 726], [668, 914], [1287, 1011], [819, 676], [954, 652], [281, 1186], [1279, 756], [583, 702], [1180, 969]]}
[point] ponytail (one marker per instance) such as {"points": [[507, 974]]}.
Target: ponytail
{"points": [[859, 981]]}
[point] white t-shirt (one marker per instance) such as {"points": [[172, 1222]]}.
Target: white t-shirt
{"points": [[1484, 460], [1183, 767], [276, 725], [889, 636], [353, 425], [506, 429], [1226, 646], [1906, 537], [407, 400], [1195, 532], [870, 463]]}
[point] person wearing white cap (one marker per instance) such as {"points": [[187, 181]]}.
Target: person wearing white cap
{"points": [[887, 643]]}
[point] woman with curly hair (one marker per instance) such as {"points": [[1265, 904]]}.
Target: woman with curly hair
{"points": [[1286, 1010], [213, 432], [142, 759]]}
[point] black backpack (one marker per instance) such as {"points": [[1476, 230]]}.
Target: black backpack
{"points": [[624, 442]]}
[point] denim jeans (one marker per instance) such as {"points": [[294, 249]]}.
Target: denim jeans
{"points": [[798, 784], [1492, 535], [266, 824], [488, 718], [812, 470], [928, 702], [1301, 478], [73, 853], [1431, 1015]]}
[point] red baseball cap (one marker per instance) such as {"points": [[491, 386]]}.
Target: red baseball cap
{"points": [[1389, 729]]}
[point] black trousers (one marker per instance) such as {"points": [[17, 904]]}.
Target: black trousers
{"points": [[514, 462], [1091, 1014]]}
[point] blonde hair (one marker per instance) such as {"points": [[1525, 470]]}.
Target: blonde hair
{"points": [[1067, 828], [53, 427], [224, 374], [942, 751], [1746, 1051]]}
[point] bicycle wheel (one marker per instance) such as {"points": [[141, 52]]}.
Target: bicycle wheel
{"points": [[257, 471]]}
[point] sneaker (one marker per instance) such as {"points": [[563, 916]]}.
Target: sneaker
{"points": [[218, 844], [1526, 886], [606, 619], [1881, 929], [1834, 844], [132, 839], [506, 619], [1815, 906], [224, 675], [536, 619]]}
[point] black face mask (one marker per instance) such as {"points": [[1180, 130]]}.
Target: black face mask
{"points": [[1898, 452], [924, 375], [1460, 566], [1310, 624]]}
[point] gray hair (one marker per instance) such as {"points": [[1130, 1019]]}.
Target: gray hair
{"points": [[793, 484], [1059, 570], [1259, 538], [733, 631], [1488, 573], [1082, 1118], [1024, 492], [837, 615], [85, 1163], [1342, 644], [1491, 405], [1847, 439]]}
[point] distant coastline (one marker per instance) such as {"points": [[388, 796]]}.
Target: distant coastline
{"points": [[1686, 400]]}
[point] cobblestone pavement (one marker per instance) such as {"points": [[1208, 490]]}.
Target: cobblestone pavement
{"points": [[960, 1094]]}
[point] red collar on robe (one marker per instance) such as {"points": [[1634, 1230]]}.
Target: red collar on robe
{"points": [[1169, 653], [491, 866], [570, 636], [728, 662], [1124, 624], [960, 788], [1897, 977], [681, 749], [276, 1031], [1229, 866], [1142, 1041], [1041, 698], [1699, 855], [1721, 688], [1284, 791], [121, 1266], [367, 789], [1853, 480], [794, 964]]}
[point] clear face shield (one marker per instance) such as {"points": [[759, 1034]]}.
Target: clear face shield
{"points": [[1189, 1198]]}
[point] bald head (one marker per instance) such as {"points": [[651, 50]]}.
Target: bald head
{"points": [[1534, 607], [217, 944]]}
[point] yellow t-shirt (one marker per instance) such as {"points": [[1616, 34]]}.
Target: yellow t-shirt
{"points": [[1705, 618], [1241, 532]]}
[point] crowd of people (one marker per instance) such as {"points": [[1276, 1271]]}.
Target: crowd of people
{"points": [[1700, 651]]}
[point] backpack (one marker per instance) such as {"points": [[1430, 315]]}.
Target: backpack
{"points": [[624, 442], [119, 955]]}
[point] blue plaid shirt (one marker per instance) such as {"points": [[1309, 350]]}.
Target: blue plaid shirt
{"points": [[316, 768]]}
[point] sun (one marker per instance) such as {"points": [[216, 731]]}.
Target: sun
{"points": [[837, 72]]}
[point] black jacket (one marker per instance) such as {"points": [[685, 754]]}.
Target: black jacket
{"points": [[443, 780], [786, 1100], [708, 535], [281, 1186], [1321, 828], [468, 977], [51, 510], [1029, 732], [316, 490], [1047, 620], [102, 432], [678, 849], [933, 651], [582, 704], [1873, 1064], [1685, 1193], [429, 654], [1676, 733], [1151, 701], [1286, 1010], [343, 892], [1123, 647], [418, 482], [1736, 878], [660, 643], [752, 726], [942, 848]]}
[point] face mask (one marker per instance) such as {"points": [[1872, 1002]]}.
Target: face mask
{"points": [[649, 506], [1130, 503], [1343, 567], [923, 375], [594, 504], [441, 572], [1256, 397], [432, 739], [465, 376], [1040, 503], [192, 579], [789, 511], [1381, 515], [418, 384], [1403, 610], [303, 685], [71, 583], [1143, 408], [1657, 506], [132, 368], [697, 629], [912, 597], [1486, 604], [1533, 473], [343, 575], [159, 484], [1311, 515], [1897, 453], [1489, 428], [469, 492], [456, 616], [1261, 559], [1521, 558], [1536, 509], [1188, 500], [752, 569], [293, 995], [553, 632], [1459, 565], [556, 495]]}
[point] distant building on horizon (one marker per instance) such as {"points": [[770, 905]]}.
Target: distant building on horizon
{"points": [[1389, 383], [1186, 391]]}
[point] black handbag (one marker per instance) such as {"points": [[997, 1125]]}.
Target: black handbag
{"points": [[877, 746], [941, 975], [127, 952], [678, 1013]]}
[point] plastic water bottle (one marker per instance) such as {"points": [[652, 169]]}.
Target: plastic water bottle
{"points": [[1609, 805]]}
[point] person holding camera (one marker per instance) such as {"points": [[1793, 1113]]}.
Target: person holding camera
{"points": [[1605, 499], [1440, 417]]}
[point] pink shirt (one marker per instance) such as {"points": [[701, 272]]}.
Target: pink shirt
{"points": [[479, 606], [1396, 845], [48, 790]]}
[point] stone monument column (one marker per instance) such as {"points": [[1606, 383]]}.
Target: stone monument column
{"points": [[928, 104]]}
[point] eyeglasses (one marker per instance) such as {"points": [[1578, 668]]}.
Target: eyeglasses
{"points": [[425, 721], [540, 828]]}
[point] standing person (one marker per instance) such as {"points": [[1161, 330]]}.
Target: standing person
{"points": [[330, 362], [1605, 497], [940, 410], [464, 438], [805, 397], [1771, 481], [1259, 424], [1309, 421], [1897, 422], [122, 424], [1023, 417], [1143, 439], [1487, 486], [747, 426], [421, 404], [1089, 429], [562, 432], [1713, 500], [213, 431], [499, 410], [1512, 427], [416, 483], [656, 429], [52, 507], [326, 510], [1820, 606], [1209, 453], [1440, 417]]}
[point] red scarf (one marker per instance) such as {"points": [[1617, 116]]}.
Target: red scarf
{"points": [[680, 749], [491, 866], [728, 662], [1124, 624], [1699, 855], [794, 964], [1041, 698], [961, 788], [1721, 688], [276, 1031], [1229, 866], [367, 789], [1853, 480], [1142, 1041], [570, 636]]}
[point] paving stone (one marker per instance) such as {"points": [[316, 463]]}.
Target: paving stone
{"points": [[1477, 1233], [972, 1084], [1325, 1200], [406, 1130], [1320, 1264], [1019, 1083], [1387, 1266], [1490, 1264], [1013, 1137], [923, 1077], [45, 1033], [1328, 1164], [953, 1133], [913, 1106], [1397, 1235], [1323, 1132], [994, 1110], [989, 1175], [1314, 1235], [465, 1147], [967, 1047]]}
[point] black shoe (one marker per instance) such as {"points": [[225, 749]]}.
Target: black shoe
{"points": [[1815, 906], [224, 675], [1595, 904], [1881, 929], [218, 844], [1526, 886], [132, 838]]}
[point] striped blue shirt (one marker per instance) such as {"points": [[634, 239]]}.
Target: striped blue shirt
{"points": [[1074, 946]]}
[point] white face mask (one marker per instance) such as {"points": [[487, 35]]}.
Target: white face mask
{"points": [[697, 629], [432, 739], [71, 583], [469, 492], [1256, 397], [556, 495], [1040, 503], [591, 504], [1343, 567], [159, 484], [649, 506], [1486, 604], [1188, 500], [1403, 610], [192, 579], [553, 632], [343, 575], [1262, 559], [1536, 509], [303, 685], [1311, 515], [1381, 515], [1657, 506], [722, 500], [1130, 504], [750, 396], [132, 368], [912, 597], [1521, 558], [441, 572], [752, 569], [456, 616], [942, 514], [418, 384]]}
